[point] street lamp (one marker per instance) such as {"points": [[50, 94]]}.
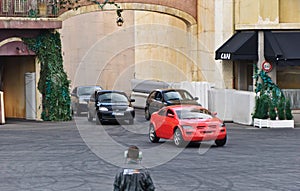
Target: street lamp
{"points": [[120, 19]]}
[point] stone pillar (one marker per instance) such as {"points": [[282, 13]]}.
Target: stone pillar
{"points": [[261, 58]]}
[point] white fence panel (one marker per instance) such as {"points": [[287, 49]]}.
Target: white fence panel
{"points": [[220, 101], [243, 107], [197, 89], [140, 99]]}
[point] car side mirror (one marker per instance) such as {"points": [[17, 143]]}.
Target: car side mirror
{"points": [[214, 113], [132, 100], [170, 115], [196, 98]]}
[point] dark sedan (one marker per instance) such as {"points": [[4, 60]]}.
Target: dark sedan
{"points": [[110, 106], [163, 97], [80, 96]]}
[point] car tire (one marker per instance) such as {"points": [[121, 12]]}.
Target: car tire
{"points": [[131, 121], [89, 116], [147, 114], [221, 142], [152, 135], [178, 139], [78, 112]]}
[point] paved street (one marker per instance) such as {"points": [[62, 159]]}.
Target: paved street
{"points": [[80, 156]]}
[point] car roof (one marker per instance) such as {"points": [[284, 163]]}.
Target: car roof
{"points": [[111, 91], [169, 89]]}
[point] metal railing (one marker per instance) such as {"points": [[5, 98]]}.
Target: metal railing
{"points": [[29, 8]]}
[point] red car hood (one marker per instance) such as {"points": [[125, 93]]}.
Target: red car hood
{"points": [[193, 122]]}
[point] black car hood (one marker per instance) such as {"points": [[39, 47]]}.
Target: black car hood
{"points": [[113, 106], [181, 102]]}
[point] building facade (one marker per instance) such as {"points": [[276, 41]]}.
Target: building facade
{"points": [[216, 41]]}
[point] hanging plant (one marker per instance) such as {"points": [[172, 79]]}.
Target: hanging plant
{"points": [[53, 83]]}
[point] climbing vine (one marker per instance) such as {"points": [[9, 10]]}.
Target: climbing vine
{"points": [[53, 83]]}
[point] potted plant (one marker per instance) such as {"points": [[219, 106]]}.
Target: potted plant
{"points": [[271, 108]]}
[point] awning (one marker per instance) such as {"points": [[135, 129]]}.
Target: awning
{"points": [[242, 45], [282, 47]]}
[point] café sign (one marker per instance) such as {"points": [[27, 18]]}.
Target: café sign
{"points": [[225, 56]]}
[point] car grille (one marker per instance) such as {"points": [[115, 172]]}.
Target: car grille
{"points": [[211, 128], [201, 127]]}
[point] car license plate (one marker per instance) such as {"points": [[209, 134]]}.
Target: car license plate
{"points": [[118, 113]]}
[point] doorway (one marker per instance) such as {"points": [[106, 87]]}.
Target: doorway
{"points": [[12, 73], [243, 75]]}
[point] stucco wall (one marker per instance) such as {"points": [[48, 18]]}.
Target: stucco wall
{"points": [[267, 14], [96, 51], [163, 48], [215, 26]]}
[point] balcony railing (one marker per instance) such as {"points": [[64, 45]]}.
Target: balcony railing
{"points": [[29, 8]]}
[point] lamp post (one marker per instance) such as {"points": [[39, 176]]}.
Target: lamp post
{"points": [[120, 19]]}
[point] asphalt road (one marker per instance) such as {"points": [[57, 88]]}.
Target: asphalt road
{"points": [[79, 155]]}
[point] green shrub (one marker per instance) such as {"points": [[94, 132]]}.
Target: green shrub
{"points": [[281, 108], [288, 112], [262, 107], [272, 111]]}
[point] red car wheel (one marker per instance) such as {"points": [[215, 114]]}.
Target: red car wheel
{"points": [[178, 139], [152, 135], [221, 142]]}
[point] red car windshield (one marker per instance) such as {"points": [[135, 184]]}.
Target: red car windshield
{"points": [[194, 114]]}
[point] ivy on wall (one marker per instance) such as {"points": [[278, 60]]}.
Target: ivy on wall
{"points": [[53, 83]]}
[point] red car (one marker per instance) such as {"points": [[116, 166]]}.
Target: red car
{"points": [[186, 123]]}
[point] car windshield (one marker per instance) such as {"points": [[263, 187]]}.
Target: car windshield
{"points": [[177, 95], [112, 97], [88, 90], [193, 114]]}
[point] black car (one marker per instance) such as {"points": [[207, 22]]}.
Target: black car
{"points": [[80, 96], [163, 97], [110, 106]]}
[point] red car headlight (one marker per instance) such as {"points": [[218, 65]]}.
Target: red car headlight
{"points": [[188, 127], [222, 125]]}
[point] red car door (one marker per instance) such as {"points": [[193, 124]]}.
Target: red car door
{"points": [[168, 123]]}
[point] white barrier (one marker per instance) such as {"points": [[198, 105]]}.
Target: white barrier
{"points": [[243, 107], [140, 99], [220, 101], [232, 105], [2, 113], [141, 88], [197, 89]]}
